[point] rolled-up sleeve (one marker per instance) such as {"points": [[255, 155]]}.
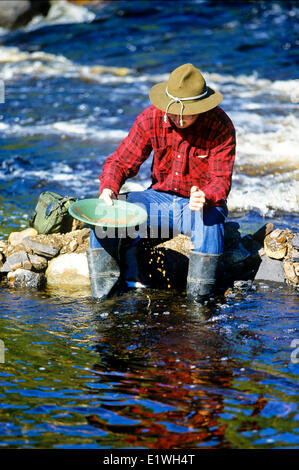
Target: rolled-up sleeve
{"points": [[125, 162], [221, 163]]}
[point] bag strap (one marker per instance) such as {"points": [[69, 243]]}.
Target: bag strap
{"points": [[58, 205]]}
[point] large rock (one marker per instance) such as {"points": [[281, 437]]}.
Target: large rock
{"points": [[290, 272], [14, 14], [68, 270], [25, 278], [39, 263], [16, 261], [270, 270], [275, 244], [16, 238], [33, 247]]}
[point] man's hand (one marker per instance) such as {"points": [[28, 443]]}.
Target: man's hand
{"points": [[197, 199], [108, 196]]}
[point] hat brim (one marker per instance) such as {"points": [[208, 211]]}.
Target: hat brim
{"points": [[160, 99]]}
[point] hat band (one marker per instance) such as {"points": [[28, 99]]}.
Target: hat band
{"points": [[176, 99]]}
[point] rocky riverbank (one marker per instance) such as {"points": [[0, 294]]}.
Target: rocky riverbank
{"points": [[32, 260]]}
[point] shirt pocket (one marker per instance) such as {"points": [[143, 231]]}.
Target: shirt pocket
{"points": [[164, 160], [199, 161]]}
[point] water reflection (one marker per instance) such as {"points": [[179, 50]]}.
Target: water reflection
{"points": [[169, 372], [148, 369]]}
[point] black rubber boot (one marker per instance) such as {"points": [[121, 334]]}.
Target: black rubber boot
{"points": [[104, 272], [130, 266], [201, 279]]}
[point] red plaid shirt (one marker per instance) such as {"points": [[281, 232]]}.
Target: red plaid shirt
{"points": [[201, 155]]}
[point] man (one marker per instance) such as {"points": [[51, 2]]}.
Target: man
{"points": [[193, 142]]}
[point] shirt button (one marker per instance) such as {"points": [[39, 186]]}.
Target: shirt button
{"points": [[179, 156], [176, 173], [175, 189]]}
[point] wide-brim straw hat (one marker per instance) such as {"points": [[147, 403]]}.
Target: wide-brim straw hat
{"points": [[185, 93]]}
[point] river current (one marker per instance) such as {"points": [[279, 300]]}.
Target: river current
{"points": [[148, 369]]}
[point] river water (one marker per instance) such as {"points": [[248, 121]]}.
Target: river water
{"points": [[148, 369]]}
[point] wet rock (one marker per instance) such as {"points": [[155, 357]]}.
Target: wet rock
{"points": [[39, 263], [275, 252], [239, 288], [243, 285], [69, 269], [25, 278], [16, 238], [14, 13], [275, 244], [48, 251], [290, 272], [16, 261], [270, 270]]}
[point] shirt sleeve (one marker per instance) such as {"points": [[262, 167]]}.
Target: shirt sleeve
{"points": [[125, 162], [221, 162]]}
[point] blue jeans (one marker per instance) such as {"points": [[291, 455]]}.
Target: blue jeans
{"points": [[169, 215]]}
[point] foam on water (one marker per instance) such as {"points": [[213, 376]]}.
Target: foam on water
{"points": [[15, 63], [268, 195], [65, 128]]}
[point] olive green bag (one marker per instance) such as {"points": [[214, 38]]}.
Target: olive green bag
{"points": [[51, 213]]}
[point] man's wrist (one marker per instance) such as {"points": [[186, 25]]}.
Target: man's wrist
{"points": [[113, 192]]}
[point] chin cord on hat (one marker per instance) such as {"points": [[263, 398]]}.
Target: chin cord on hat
{"points": [[176, 99]]}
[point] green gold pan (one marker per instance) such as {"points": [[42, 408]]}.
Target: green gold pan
{"points": [[97, 212]]}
